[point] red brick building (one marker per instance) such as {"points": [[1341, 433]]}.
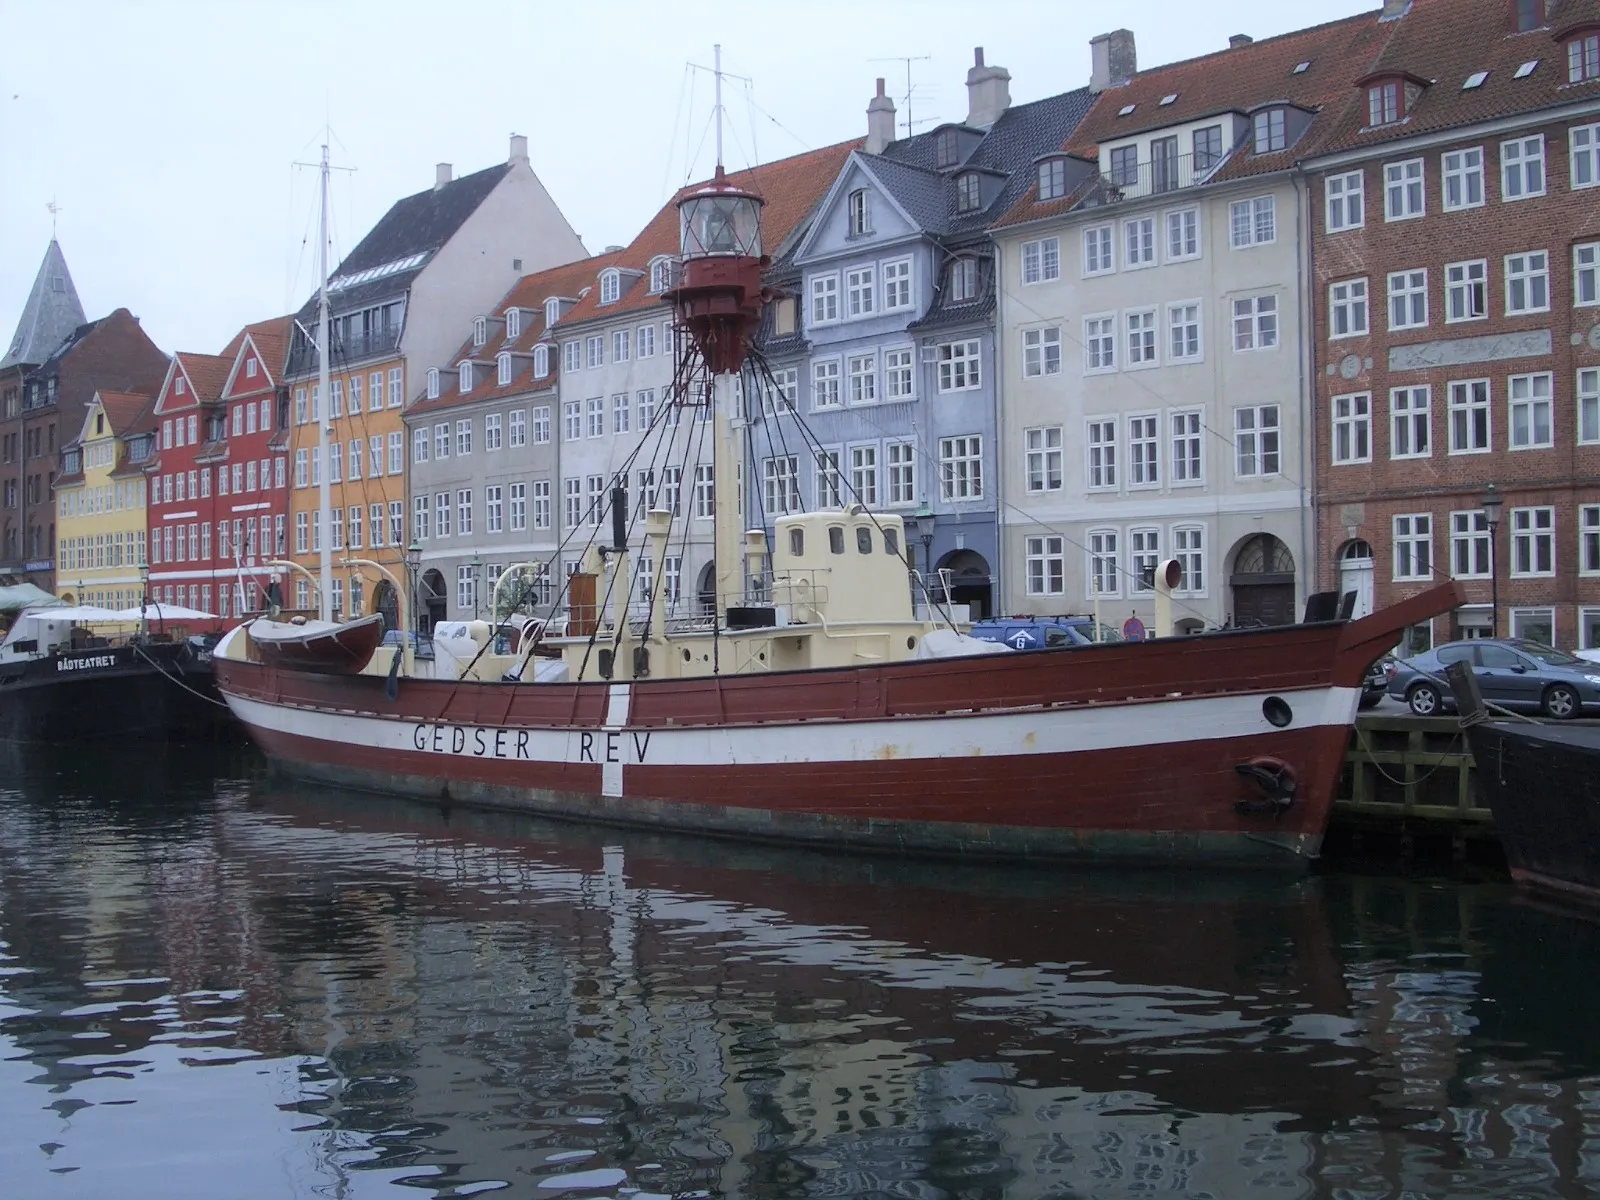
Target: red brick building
{"points": [[1455, 268]]}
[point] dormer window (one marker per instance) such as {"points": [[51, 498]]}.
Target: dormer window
{"points": [[968, 193], [464, 377], [480, 331], [860, 213], [1052, 179], [945, 149], [433, 383], [1583, 57], [1530, 14], [178, 386], [249, 368], [1271, 133], [610, 286], [1125, 166], [964, 279], [513, 324], [660, 274], [502, 362], [552, 312], [1383, 103], [541, 361]]}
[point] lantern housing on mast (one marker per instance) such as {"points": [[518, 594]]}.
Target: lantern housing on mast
{"points": [[719, 297]]}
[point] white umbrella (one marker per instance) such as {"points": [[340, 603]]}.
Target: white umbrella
{"points": [[84, 614], [163, 612]]}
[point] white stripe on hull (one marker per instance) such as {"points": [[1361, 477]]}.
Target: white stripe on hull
{"points": [[614, 745]]}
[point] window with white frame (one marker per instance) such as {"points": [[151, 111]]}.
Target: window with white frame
{"points": [[959, 365], [1404, 190], [1462, 172], [596, 356], [396, 386], [433, 389], [1271, 132], [961, 467], [621, 411], [1144, 556], [1410, 422], [1583, 156], [963, 277], [1352, 428], [1100, 446], [571, 356], [595, 413], [502, 369], [1528, 282], [825, 383], [1183, 234], [1469, 544], [896, 274], [861, 289], [1531, 418], [1589, 539], [441, 514], [1408, 299], [862, 370], [464, 377], [1098, 253], [782, 393], [621, 345], [1042, 260], [1252, 222], [302, 529], [1043, 458], [1141, 328], [464, 436], [1533, 542], [1052, 179], [1189, 548], [594, 496], [572, 502], [1041, 352], [860, 206], [1046, 565], [898, 374], [1255, 323], [1347, 308], [1138, 243], [541, 425], [541, 504], [1100, 343], [864, 474], [671, 488], [1345, 196], [571, 420], [518, 428], [1583, 57], [1186, 428], [1470, 425], [824, 291], [1256, 440], [1586, 274], [1522, 167], [900, 461], [705, 492], [644, 341], [1413, 546], [610, 286], [1144, 451], [1466, 291], [645, 398], [352, 473], [781, 484], [1183, 332], [1588, 403], [491, 431], [1105, 577]]}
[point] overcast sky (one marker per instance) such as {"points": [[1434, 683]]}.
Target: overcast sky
{"points": [[166, 130]]}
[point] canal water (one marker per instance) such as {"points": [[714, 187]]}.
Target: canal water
{"points": [[214, 984]]}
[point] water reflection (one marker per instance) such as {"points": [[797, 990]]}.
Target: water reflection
{"points": [[210, 985]]}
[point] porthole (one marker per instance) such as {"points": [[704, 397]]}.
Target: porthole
{"points": [[911, 643], [1277, 711], [687, 657]]}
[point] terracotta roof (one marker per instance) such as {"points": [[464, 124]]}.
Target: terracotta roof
{"points": [[1233, 80], [791, 188], [123, 410], [207, 372], [1427, 43], [529, 294], [271, 340]]}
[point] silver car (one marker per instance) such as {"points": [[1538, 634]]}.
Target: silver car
{"points": [[1512, 672]]}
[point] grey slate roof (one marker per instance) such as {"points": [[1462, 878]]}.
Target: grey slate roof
{"points": [[50, 315], [928, 196]]}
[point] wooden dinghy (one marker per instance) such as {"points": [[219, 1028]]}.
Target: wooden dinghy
{"points": [[323, 647]]}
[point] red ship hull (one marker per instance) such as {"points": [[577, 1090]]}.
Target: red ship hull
{"points": [[1122, 751]]}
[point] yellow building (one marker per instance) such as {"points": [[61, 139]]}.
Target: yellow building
{"points": [[100, 503]]}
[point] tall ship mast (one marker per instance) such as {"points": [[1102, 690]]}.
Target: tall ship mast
{"points": [[826, 698]]}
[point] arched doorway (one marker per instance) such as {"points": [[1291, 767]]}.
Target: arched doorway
{"points": [[387, 601], [1355, 574], [705, 591], [1263, 582], [433, 601], [969, 582]]}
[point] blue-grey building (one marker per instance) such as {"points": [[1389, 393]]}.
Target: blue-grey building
{"points": [[882, 353]]}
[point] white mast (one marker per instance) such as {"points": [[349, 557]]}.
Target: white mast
{"points": [[726, 534], [322, 408], [716, 63]]}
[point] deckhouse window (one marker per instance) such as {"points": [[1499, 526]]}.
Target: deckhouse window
{"points": [[465, 376], [1052, 179], [433, 383], [1583, 57], [860, 213], [968, 192], [1270, 131], [513, 323], [610, 286], [541, 361]]}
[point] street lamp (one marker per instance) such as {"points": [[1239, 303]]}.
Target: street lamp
{"points": [[477, 583], [925, 521], [413, 565], [1492, 505]]}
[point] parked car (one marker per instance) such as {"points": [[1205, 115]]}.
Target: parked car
{"points": [[1042, 633], [1375, 685], [1512, 672]]}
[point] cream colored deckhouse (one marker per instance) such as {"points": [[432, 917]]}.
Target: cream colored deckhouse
{"points": [[1156, 334]]}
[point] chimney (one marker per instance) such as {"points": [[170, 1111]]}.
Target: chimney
{"points": [[1113, 60], [880, 122], [1394, 9], [988, 92], [1238, 40], [441, 176], [519, 149]]}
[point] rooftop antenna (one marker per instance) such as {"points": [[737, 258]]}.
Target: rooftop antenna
{"points": [[716, 67], [908, 59]]}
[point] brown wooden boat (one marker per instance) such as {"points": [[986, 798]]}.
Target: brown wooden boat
{"points": [[323, 647]]}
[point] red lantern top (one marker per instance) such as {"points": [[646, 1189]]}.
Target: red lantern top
{"points": [[719, 297]]}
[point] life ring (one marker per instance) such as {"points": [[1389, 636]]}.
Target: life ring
{"points": [[1275, 781]]}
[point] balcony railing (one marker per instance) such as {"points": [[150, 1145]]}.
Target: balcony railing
{"points": [[346, 350], [1153, 177]]}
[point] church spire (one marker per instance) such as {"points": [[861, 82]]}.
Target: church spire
{"points": [[51, 314]]}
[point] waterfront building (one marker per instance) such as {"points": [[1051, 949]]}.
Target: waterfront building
{"points": [[431, 263], [483, 443], [884, 347], [54, 364], [100, 503], [617, 382], [1456, 282], [1154, 350]]}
